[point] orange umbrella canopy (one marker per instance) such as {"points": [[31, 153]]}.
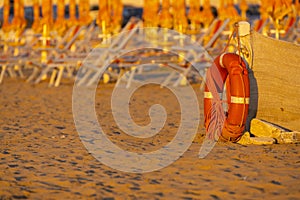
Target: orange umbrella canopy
{"points": [[36, 26], [165, 16], [18, 21], [117, 12], [297, 5], [206, 15], [103, 19], [150, 12], [194, 12], [60, 24], [228, 11], [277, 9], [282, 8], [231, 12], [243, 7], [222, 9], [179, 13], [72, 11], [84, 12], [103, 13], [6, 24], [60, 11], [110, 15], [47, 12]]}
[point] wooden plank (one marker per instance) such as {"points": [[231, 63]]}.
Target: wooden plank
{"points": [[277, 76]]}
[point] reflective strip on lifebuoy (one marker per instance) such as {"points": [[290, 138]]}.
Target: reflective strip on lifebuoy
{"points": [[240, 100]]}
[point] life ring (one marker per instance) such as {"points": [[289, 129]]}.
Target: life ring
{"points": [[229, 68]]}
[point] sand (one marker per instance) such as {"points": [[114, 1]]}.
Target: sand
{"points": [[42, 156]]}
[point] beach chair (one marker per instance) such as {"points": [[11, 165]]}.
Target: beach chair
{"points": [[151, 61], [201, 61], [59, 59], [215, 30], [261, 25], [102, 56], [84, 45], [286, 32], [197, 59], [16, 51], [70, 64]]}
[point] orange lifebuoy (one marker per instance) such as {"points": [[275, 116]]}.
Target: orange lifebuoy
{"points": [[230, 67]]}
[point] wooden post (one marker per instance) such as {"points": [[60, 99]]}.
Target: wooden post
{"points": [[244, 35]]}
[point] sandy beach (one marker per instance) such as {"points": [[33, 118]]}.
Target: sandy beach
{"points": [[42, 156]]}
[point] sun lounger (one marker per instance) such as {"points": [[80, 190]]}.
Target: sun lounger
{"points": [[202, 61], [16, 51], [61, 59], [102, 56]]}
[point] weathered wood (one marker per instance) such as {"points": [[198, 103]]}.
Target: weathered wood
{"points": [[277, 74]]}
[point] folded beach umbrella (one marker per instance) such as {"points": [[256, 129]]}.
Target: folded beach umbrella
{"points": [[6, 23], [165, 16], [84, 12], [117, 15], [36, 26], [150, 13], [278, 10], [60, 24], [18, 22], [231, 11], [179, 13], [194, 14], [72, 14], [243, 6], [281, 8], [227, 11], [297, 6], [104, 19], [267, 6], [47, 12], [222, 10], [206, 15]]}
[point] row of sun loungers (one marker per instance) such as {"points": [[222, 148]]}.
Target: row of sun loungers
{"points": [[87, 55]]}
